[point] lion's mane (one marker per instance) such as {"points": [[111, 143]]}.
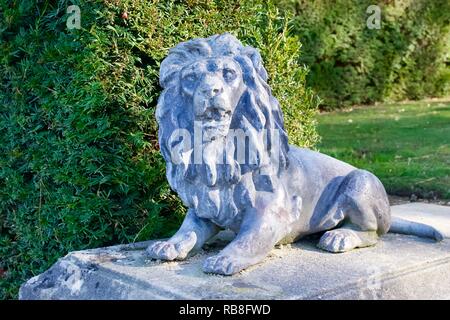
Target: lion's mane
{"points": [[257, 111]]}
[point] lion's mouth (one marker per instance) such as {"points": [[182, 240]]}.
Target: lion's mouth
{"points": [[215, 118], [215, 123]]}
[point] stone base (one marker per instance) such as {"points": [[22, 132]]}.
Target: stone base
{"points": [[398, 267]]}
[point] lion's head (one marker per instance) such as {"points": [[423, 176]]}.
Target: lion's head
{"points": [[216, 86]]}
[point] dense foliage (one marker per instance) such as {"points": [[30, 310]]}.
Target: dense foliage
{"points": [[79, 160], [407, 58]]}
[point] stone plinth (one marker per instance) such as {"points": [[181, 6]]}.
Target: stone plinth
{"points": [[398, 267]]}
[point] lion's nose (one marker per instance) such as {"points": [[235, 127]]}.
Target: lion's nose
{"points": [[211, 91], [210, 87]]}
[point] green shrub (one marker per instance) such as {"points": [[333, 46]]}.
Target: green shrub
{"points": [[407, 58], [79, 161]]}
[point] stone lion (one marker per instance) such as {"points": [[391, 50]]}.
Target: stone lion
{"points": [[241, 174]]}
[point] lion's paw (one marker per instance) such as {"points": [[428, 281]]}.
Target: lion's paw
{"points": [[223, 264], [172, 249], [339, 240]]}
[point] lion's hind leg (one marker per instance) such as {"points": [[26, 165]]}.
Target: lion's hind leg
{"points": [[345, 239], [365, 207]]}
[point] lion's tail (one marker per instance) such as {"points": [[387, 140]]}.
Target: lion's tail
{"points": [[403, 226]]}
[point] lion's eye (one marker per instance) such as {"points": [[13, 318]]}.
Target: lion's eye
{"points": [[190, 78], [189, 82], [229, 74]]}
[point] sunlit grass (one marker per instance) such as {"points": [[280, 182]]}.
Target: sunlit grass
{"points": [[406, 145]]}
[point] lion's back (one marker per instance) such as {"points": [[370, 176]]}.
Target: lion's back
{"points": [[317, 164]]}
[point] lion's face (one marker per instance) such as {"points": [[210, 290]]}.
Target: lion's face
{"points": [[215, 87], [218, 122]]}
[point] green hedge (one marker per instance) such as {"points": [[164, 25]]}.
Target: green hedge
{"points": [[79, 161], [408, 58]]}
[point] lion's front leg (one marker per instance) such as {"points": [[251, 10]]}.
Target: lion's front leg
{"points": [[191, 236], [253, 243]]}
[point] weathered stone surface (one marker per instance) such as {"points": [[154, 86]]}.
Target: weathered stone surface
{"points": [[398, 267], [221, 133]]}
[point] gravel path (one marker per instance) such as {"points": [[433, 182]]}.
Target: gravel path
{"points": [[395, 200]]}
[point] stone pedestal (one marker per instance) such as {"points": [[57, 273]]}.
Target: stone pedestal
{"points": [[398, 267]]}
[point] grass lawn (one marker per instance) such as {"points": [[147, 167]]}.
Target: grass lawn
{"points": [[406, 145]]}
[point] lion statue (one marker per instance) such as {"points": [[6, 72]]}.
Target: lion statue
{"points": [[222, 136]]}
